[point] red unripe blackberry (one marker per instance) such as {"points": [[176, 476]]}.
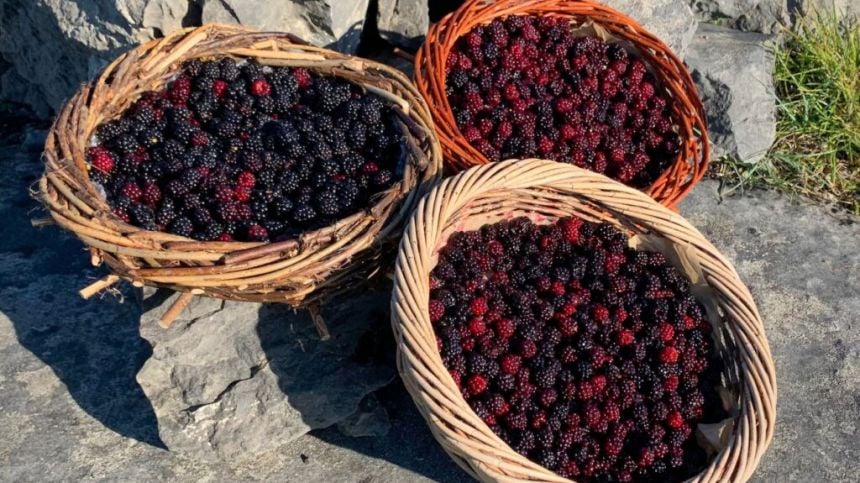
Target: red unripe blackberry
{"points": [[598, 383], [675, 420], [646, 457], [101, 159], [478, 306], [468, 344], [548, 397], [527, 349], [476, 384], [666, 332], [242, 194], [200, 138], [538, 420], [122, 214], [257, 233], [472, 134], [219, 87], [600, 313], [624, 337], [132, 191], [477, 326], [246, 179], [261, 87], [510, 364], [437, 310], [568, 327], [497, 405], [505, 328], [669, 355]]}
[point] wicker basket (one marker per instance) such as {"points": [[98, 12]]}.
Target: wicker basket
{"points": [[545, 189], [675, 182], [297, 272]]}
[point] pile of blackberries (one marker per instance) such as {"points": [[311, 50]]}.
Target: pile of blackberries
{"points": [[527, 87], [588, 357], [240, 151]]}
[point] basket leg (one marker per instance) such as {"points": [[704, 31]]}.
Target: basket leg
{"points": [[173, 312], [319, 323], [98, 286]]}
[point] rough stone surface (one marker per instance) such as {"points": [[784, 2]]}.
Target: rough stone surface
{"points": [[49, 47], [670, 20], [734, 74], [370, 419], [767, 16], [70, 407], [403, 22], [334, 23], [229, 380]]}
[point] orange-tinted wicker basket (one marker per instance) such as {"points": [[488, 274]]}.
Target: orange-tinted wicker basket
{"points": [[545, 191], [299, 271], [675, 182]]}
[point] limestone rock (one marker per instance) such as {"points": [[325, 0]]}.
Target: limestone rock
{"points": [[371, 419], [333, 23], [734, 74], [230, 380], [403, 22], [670, 20], [767, 16], [49, 47]]}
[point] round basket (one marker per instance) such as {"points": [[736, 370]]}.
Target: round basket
{"points": [[671, 74], [548, 190], [298, 271]]}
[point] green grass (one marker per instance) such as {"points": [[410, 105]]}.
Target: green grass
{"points": [[817, 149]]}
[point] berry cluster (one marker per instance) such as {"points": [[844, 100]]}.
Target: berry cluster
{"points": [[585, 355], [527, 87], [240, 151]]}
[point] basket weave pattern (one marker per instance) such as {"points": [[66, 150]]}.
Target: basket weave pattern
{"points": [[551, 190], [297, 271], [671, 74]]}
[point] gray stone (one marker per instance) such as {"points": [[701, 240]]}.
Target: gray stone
{"points": [[231, 380], [767, 16], [670, 20], [334, 23], [370, 419], [403, 22], [734, 74], [49, 47]]}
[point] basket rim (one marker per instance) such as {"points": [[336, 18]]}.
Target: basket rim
{"points": [[465, 436], [679, 176], [66, 179]]}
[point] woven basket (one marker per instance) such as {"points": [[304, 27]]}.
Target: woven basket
{"points": [[545, 189], [675, 182], [299, 271]]}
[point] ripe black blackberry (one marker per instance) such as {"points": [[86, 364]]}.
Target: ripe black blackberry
{"points": [[327, 203], [599, 372], [303, 213], [182, 226], [215, 120]]}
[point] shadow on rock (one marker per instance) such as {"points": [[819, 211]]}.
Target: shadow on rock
{"points": [[385, 424], [92, 346]]}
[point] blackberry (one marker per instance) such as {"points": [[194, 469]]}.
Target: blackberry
{"points": [[327, 203], [143, 216], [303, 213], [192, 141], [182, 226]]}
